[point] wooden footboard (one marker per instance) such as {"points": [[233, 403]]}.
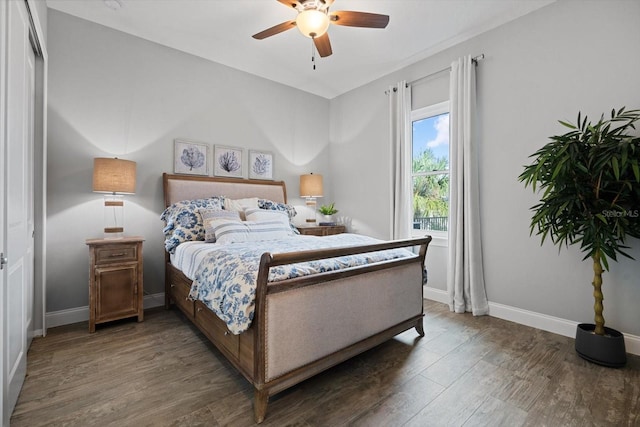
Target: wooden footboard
{"points": [[306, 325]]}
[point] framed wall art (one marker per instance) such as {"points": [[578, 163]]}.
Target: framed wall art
{"points": [[227, 161], [260, 164], [191, 157]]}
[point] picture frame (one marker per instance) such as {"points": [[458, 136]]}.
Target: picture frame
{"points": [[191, 157], [228, 161], [260, 164]]}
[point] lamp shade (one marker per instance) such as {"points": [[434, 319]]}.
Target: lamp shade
{"points": [[312, 23], [114, 175], [311, 185]]}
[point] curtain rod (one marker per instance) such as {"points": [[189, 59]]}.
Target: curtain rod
{"points": [[475, 60]]}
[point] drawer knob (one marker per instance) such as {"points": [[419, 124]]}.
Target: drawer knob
{"points": [[226, 333], [199, 309], [119, 254], [173, 286]]}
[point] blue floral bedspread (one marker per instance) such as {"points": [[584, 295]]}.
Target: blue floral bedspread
{"points": [[226, 278]]}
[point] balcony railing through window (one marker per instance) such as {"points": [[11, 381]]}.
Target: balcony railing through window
{"points": [[433, 223]]}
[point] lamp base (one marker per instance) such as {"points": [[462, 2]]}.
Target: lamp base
{"points": [[114, 233], [311, 204], [113, 216]]}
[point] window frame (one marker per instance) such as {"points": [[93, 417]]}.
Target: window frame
{"points": [[421, 114]]}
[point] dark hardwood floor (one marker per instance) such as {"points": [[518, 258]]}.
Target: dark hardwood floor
{"points": [[466, 371]]}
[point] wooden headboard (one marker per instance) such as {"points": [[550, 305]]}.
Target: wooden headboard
{"points": [[188, 187]]}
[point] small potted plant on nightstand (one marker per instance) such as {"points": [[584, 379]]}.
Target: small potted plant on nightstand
{"points": [[590, 183], [327, 212]]}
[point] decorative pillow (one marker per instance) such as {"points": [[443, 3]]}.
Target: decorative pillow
{"points": [[258, 214], [183, 222], [239, 205], [228, 231], [209, 215], [275, 206], [282, 207]]}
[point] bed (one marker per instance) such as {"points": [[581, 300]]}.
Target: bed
{"points": [[303, 325]]}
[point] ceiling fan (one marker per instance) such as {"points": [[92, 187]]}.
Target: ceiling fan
{"points": [[314, 19]]}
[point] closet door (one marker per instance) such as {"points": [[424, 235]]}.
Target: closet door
{"points": [[18, 203]]}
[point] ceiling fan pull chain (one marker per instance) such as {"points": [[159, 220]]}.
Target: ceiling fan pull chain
{"points": [[313, 54]]}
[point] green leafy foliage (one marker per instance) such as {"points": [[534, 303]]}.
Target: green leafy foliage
{"points": [[430, 192], [328, 209], [590, 183]]}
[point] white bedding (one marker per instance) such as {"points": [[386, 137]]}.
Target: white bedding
{"points": [[188, 255]]}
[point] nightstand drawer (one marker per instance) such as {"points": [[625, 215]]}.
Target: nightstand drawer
{"points": [[119, 253], [322, 230]]}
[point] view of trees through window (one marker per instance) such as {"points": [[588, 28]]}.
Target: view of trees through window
{"points": [[430, 172]]}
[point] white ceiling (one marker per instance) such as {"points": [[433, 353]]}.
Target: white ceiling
{"points": [[221, 30]]}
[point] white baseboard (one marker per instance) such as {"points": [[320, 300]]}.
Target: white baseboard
{"points": [[81, 314], [553, 324], [434, 294], [541, 321]]}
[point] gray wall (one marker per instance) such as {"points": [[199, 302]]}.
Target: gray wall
{"points": [[548, 65], [111, 94]]}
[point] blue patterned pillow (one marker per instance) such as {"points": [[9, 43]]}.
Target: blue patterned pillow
{"points": [[183, 222], [283, 207]]}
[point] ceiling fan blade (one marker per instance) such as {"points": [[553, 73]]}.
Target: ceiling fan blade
{"points": [[291, 3], [323, 45], [359, 19], [276, 29]]}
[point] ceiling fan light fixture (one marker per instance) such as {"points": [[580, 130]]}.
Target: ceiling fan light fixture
{"points": [[312, 23]]}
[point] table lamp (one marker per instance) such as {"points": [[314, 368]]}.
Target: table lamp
{"points": [[310, 190], [115, 177]]}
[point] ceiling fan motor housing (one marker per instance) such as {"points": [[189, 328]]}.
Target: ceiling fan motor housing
{"points": [[312, 4]]}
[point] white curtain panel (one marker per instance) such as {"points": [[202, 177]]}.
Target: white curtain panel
{"points": [[465, 275], [400, 143]]}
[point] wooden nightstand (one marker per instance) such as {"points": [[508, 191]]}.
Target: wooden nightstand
{"points": [[115, 280], [321, 230]]}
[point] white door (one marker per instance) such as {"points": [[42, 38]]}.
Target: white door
{"points": [[3, 59], [28, 194], [18, 197]]}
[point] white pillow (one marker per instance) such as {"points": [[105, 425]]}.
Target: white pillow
{"points": [[270, 215], [228, 231], [256, 214], [239, 205], [209, 215]]}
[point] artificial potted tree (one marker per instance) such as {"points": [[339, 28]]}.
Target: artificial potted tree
{"points": [[590, 183]]}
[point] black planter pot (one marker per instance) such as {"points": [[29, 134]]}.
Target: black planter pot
{"points": [[606, 350]]}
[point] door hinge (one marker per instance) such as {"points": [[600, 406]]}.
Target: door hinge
{"points": [[3, 260]]}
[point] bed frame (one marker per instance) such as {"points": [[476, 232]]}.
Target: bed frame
{"points": [[305, 325]]}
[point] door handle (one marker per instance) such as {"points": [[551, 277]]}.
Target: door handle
{"points": [[3, 260]]}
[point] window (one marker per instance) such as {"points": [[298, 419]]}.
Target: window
{"points": [[430, 170]]}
